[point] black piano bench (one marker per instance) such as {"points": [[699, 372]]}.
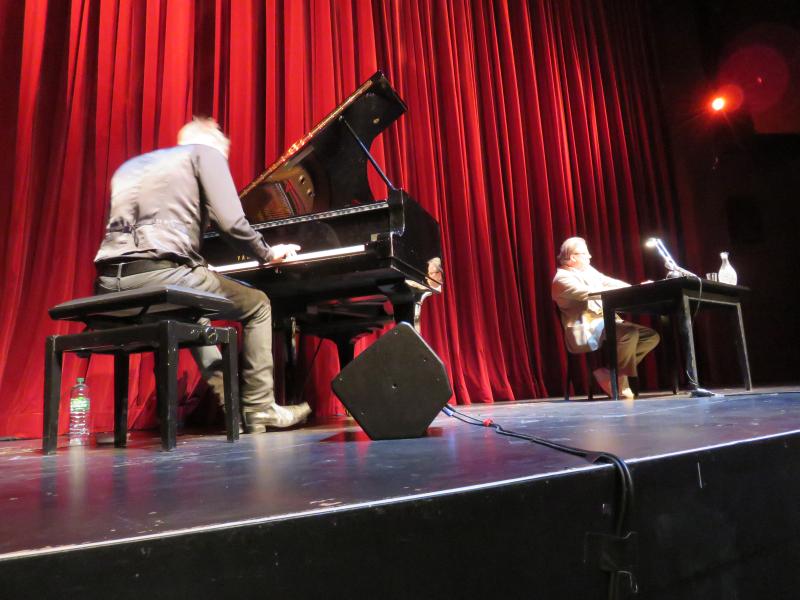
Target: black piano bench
{"points": [[159, 319]]}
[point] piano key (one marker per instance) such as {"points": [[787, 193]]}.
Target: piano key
{"points": [[253, 264]]}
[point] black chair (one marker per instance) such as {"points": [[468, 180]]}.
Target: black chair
{"points": [[599, 358], [594, 360], [160, 319]]}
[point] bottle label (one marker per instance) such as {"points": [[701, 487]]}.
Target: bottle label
{"points": [[80, 403]]}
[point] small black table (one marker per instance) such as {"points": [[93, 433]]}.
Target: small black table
{"points": [[674, 298]]}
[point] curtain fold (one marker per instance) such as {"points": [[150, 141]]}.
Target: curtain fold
{"points": [[527, 122]]}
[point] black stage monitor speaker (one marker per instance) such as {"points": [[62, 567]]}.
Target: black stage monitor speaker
{"points": [[396, 387]]}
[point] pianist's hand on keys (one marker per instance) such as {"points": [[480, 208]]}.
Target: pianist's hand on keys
{"points": [[280, 252]]}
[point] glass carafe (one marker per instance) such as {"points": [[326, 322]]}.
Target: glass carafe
{"points": [[726, 271]]}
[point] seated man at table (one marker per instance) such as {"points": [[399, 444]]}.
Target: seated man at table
{"points": [[582, 316]]}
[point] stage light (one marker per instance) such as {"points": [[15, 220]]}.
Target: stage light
{"points": [[651, 243], [727, 99]]}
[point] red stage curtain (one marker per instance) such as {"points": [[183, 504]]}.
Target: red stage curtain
{"points": [[528, 121]]}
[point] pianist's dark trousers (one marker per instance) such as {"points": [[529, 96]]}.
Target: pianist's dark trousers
{"points": [[251, 308]]}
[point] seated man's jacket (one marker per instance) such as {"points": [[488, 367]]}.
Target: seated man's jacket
{"points": [[581, 316]]}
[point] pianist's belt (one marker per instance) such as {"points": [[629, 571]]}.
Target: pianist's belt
{"points": [[134, 267]]}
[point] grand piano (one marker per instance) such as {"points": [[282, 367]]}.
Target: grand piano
{"points": [[363, 262]]}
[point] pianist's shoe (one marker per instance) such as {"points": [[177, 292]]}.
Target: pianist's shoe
{"points": [[274, 417]]}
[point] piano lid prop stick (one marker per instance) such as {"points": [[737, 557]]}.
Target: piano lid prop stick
{"points": [[368, 154]]}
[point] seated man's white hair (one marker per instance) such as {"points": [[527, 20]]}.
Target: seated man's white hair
{"points": [[205, 131], [568, 249]]}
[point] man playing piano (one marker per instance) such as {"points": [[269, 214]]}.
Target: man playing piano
{"points": [[160, 204], [582, 316]]}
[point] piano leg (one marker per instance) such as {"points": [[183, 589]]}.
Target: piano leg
{"points": [[419, 299], [403, 301], [345, 345], [404, 312]]}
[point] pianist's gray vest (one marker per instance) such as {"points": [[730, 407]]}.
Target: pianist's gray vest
{"points": [[162, 201]]}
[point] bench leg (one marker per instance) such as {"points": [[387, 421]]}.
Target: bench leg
{"points": [[167, 385], [52, 394], [230, 377], [120, 400]]}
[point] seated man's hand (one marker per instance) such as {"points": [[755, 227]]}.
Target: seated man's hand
{"points": [[280, 252]]}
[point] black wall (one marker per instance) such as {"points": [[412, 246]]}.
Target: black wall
{"points": [[738, 187]]}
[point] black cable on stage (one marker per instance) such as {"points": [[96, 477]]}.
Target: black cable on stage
{"points": [[594, 457]]}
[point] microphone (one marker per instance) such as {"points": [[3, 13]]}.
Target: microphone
{"points": [[673, 269]]}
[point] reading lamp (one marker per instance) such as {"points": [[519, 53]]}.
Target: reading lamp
{"points": [[673, 270]]}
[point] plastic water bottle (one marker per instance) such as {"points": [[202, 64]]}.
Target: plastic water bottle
{"points": [[79, 414], [726, 272]]}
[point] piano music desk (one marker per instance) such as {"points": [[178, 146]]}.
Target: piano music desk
{"points": [[675, 299]]}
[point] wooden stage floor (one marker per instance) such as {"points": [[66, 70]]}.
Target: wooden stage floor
{"points": [[118, 505]]}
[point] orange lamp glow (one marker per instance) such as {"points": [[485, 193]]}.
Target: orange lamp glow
{"points": [[718, 103]]}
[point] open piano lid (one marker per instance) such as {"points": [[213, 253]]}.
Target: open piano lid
{"points": [[327, 168]]}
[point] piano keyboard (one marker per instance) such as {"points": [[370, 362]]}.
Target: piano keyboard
{"points": [[254, 264]]}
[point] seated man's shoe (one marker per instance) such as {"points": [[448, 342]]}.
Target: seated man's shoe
{"points": [[603, 378], [626, 393], [274, 417], [624, 388]]}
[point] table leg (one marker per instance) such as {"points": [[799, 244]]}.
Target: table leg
{"points": [[611, 343], [670, 345], [741, 347], [687, 335]]}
